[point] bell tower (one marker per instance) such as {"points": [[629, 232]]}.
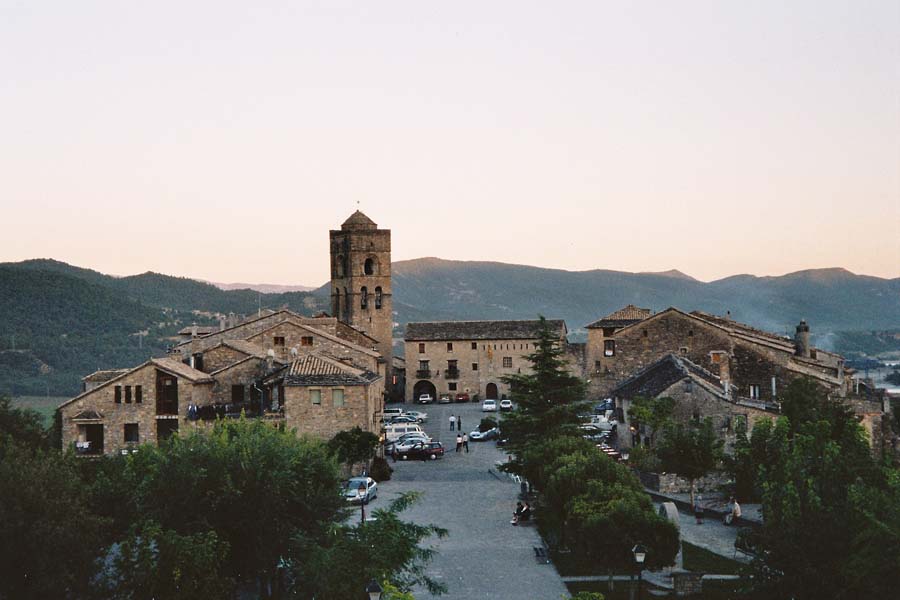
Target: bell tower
{"points": [[361, 280]]}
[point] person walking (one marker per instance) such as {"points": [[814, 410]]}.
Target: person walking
{"points": [[459, 422], [466, 442], [698, 509], [459, 442], [452, 422]]}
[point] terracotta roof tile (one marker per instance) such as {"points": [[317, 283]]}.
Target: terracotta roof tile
{"points": [[623, 317], [480, 330]]}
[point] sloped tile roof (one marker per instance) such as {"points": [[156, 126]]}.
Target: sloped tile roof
{"points": [[88, 415], [104, 375], [315, 369], [201, 330], [176, 367], [654, 379], [622, 317], [480, 330], [245, 347]]}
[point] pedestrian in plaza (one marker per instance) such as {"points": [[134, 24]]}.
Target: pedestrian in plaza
{"points": [[734, 513], [452, 422], [459, 442], [698, 509], [459, 422], [466, 442]]}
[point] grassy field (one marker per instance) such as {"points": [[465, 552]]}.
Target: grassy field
{"points": [[42, 404], [702, 560]]}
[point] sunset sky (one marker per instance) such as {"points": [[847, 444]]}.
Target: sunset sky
{"points": [[221, 140]]}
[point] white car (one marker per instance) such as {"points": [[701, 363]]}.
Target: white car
{"points": [[425, 399], [419, 416], [506, 404], [360, 490], [489, 406]]}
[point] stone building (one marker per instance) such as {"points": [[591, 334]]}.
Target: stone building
{"points": [[469, 357], [270, 366], [697, 393], [758, 365], [148, 403]]}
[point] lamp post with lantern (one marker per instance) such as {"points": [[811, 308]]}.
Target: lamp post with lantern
{"points": [[374, 590], [640, 554], [361, 492]]}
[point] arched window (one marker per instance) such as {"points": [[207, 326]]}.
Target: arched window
{"points": [[378, 297], [364, 297], [369, 266], [336, 303]]}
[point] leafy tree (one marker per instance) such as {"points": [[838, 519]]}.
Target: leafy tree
{"points": [[832, 527], [23, 425], [353, 446], [156, 563], [548, 399], [486, 424], [893, 377], [653, 413], [385, 549], [597, 505], [690, 451], [255, 486], [49, 537]]}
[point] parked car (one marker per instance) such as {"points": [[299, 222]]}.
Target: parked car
{"points": [[407, 444], [391, 412], [425, 399], [392, 433], [418, 415], [360, 490], [430, 450], [462, 397], [506, 404], [482, 436], [445, 399], [404, 418], [489, 406]]}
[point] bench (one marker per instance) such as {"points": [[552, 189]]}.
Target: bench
{"points": [[541, 556]]}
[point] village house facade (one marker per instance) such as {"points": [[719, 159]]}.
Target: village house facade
{"points": [[451, 358], [317, 375]]}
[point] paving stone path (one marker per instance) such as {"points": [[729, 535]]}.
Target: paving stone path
{"points": [[483, 556]]}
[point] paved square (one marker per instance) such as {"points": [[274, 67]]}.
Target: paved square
{"points": [[483, 556]]}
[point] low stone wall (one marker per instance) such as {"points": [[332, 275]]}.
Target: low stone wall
{"points": [[669, 483]]}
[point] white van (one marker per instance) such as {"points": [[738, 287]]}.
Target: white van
{"points": [[392, 432], [393, 411]]}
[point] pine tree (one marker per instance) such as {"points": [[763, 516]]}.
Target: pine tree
{"points": [[548, 399]]}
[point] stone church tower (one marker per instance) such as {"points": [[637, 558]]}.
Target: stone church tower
{"points": [[361, 280]]}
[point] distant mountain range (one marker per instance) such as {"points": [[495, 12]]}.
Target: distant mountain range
{"points": [[59, 322], [265, 288]]}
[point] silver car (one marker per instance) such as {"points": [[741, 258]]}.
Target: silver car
{"points": [[360, 490], [418, 415]]}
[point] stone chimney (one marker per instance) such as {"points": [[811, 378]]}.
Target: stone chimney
{"points": [[801, 340], [193, 330]]}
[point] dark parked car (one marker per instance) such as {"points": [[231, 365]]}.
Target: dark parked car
{"points": [[462, 397], [422, 450]]}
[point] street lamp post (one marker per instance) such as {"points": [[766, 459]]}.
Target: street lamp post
{"points": [[374, 590], [640, 553], [361, 492]]}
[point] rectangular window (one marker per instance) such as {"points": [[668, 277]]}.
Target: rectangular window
{"points": [[474, 345], [138, 394], [127, 394], [451, 364], [315, 396], [306, 340], [423, 365], [279, 340], [507, 362], [597, 366], [337, 398], [131, 433], [237, 394], [754, 391], [609, 347], [716, 357], [452, 386], [421, 348], [474, 366], [449, 346], [118, 394]]}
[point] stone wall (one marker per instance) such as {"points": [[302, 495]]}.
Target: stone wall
{"points": [[243, 373], [361, 402], [115, 416], [220, 357], [293, 335], [487, 354]]}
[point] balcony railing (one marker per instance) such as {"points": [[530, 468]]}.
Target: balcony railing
{"points": [[451, 373], [423, 373]]}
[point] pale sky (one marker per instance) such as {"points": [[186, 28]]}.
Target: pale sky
{"points": [[221, 140]]}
